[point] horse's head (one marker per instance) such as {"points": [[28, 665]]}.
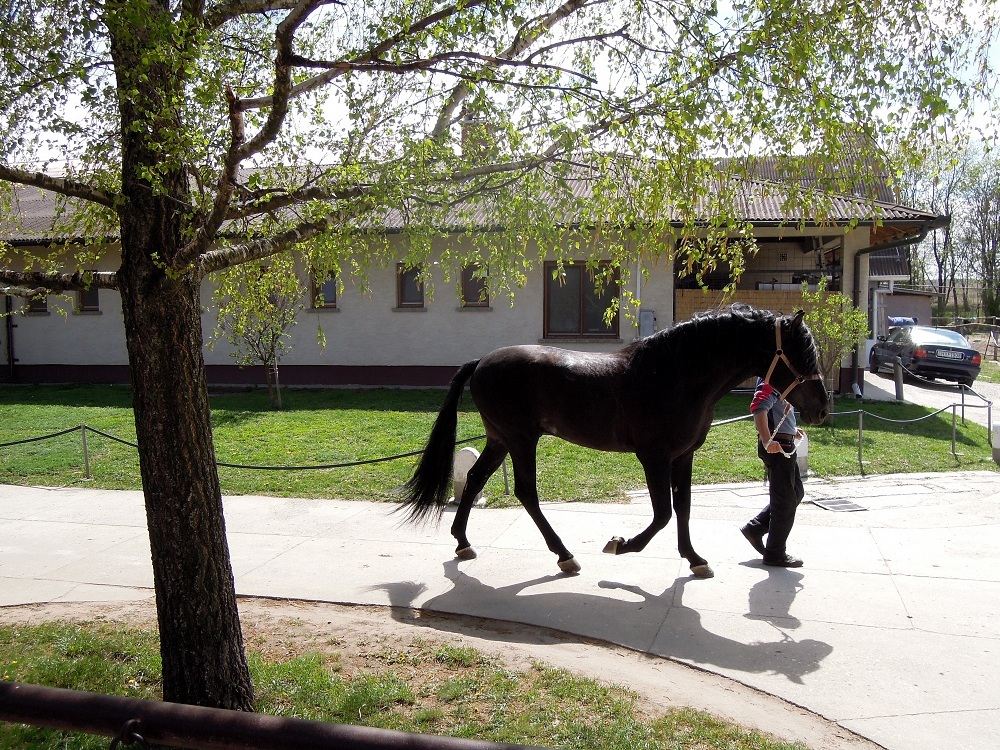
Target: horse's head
{"points": [[794, 370]]}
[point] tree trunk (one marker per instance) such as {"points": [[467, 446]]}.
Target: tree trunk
{"points": [[201, 643], [269, 380], [277, 386]]}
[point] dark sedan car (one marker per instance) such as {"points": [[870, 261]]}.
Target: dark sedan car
{"points": [[928, 353]]}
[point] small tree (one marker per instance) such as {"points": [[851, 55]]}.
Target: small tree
{"points": [[836, 324], [257, 305]]}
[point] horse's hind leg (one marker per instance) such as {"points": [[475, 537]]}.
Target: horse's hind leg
{"points": [[681, 477], [488, 462], [657, 471], [526, 490]]}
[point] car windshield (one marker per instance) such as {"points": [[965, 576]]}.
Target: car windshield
{"points": [[940, 336]]}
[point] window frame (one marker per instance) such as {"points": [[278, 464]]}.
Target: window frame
{"points": [[402, 273], [89, 300], [474, 298], [319, 300], [614, 333], [37, 306]]}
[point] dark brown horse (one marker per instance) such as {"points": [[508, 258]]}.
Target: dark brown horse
{"points": [[654, 398]]}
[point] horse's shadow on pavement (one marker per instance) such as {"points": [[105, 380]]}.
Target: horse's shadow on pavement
{"points": [[657, 624]]}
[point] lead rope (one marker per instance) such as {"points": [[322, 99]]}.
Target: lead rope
{"points": [[788, 409]]}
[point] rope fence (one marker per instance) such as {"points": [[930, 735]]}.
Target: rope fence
{"points": [[861, 413]]}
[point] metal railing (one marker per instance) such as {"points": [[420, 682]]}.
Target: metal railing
{"points": [[899, 371], [134, 721], [861, 413], [84, 429]]}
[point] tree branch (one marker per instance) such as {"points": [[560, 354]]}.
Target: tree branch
{"points": [[373, 53], [523, 40], [225, 186], [279, 201], [39, 283], [226, 11], [58, 185], [217, 260], [490, 62]]}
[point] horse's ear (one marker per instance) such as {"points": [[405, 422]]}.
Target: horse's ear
{"points": [[797, 317]]}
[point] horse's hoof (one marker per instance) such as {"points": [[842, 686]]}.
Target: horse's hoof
{"points": [[465, 553], [611, 548], [569, 566], [702, 571]]}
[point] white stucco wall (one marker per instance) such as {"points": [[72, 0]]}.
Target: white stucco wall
{"points": [[65, 336], [364, 330], [367, 329]]}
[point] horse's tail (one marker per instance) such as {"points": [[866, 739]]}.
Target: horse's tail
{"points": [[427, 489]]}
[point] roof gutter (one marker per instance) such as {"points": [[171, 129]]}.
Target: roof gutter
{"points": [[937, 223]]}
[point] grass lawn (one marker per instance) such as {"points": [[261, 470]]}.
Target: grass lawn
{"points": [[419, 685], [423, 686], [332, 426], [989, 372]]}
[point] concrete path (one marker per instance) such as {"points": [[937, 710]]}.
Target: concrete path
{"points": [[891, 630]]}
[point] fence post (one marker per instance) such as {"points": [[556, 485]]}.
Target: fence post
{"points": [[897, 376], [953, 417], [86, 454], [861, 437]]}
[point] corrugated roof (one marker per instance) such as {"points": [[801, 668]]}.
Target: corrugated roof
{"points": [[761, 202], [34, 214], [890, 264], [804, 172]]}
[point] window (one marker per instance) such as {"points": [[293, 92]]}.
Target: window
{"points": [[409, 287], [575, 306], [324, 290], [38, 305], [474, 292], [88, 300]]}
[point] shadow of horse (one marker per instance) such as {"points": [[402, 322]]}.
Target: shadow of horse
{"points": [[655, 624]]}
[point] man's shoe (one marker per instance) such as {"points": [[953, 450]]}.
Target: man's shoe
{"points": [[785, 561], [754, 535]]}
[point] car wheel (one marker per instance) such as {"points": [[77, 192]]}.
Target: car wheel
{"points": [[967, 382], [873, 364]]}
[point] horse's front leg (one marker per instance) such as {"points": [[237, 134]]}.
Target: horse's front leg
{"points": [[666, 480], [657, 470], [681, 478]]}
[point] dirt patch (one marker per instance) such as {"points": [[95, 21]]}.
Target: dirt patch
{"points": [[363, 637]]}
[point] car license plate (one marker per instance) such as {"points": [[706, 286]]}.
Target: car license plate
{"points": [[945, 354]]}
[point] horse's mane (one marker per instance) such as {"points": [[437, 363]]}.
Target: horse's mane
{"points": [[705, 328]]}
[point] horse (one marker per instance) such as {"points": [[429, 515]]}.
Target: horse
{"points": [[654, 397]]}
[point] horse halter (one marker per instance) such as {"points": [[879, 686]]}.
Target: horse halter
{"points": [[779, 356]]}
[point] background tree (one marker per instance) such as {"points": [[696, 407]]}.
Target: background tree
{"points": [[979, 232], [285, 121], [256, 307], [960, 179], [935, 184]]}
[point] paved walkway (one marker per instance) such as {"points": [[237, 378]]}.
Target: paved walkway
{"points": [[891, 630]]}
